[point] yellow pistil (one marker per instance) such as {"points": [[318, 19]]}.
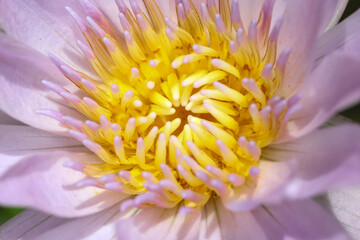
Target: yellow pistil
{"points": [[181, 112]]}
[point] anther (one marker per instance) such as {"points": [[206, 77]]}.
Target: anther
{"points": [[75, 166]]}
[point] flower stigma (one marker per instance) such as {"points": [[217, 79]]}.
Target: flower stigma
{"points": [[178, 112]]}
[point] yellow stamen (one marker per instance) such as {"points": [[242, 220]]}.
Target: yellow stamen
{"points": [[181, 111]]}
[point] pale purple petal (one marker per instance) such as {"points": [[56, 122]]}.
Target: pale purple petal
{"points": [[327, 158], [7, 120], [237, 225], [44, 25], [168, 8], [343, 37], [329, 21], [31, 224], [101, 225], [28, 224], [345, 205], [40, 181], [157, 223], [304, 220], [32, 174], [220, 223], [214, 222], [303, 22], [249, 10], [22, 93], [272, 179], [110, 10], [278, 11], [209, 228], [332, 86], [24, 138]]}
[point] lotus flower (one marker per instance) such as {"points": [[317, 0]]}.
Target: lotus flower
{"points": [[176, 119]]}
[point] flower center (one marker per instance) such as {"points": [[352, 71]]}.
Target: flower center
{"points": [[179, 112]]}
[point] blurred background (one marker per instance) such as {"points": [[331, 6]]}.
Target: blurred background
{"points": [[352, 113]]}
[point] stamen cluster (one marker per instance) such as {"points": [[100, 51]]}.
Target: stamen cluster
{"points": [[180, 111]]}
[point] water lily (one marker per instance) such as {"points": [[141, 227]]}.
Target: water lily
{"points": [[175, 119]]}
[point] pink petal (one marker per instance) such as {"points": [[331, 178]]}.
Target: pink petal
{"points": [[219, 223], [39, 180], [34, 225], [249, 10], [45, 26], [278, 11], [110, 10], [272, 179], [157, 223], [344, 37], [32, 174], [304, 220], [25, 138], [327, 158], [7, 120], [21, 92], [214, 222], [303, 22], [332, 86], [168, 8], [28, 224], [331, 18], [235, 225], [345, 204]]}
